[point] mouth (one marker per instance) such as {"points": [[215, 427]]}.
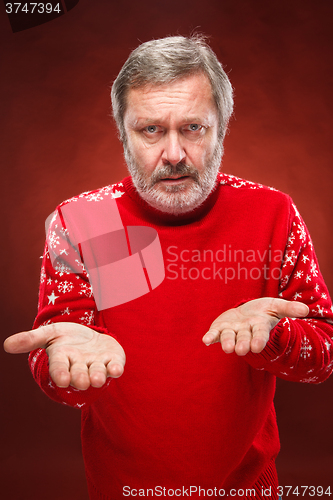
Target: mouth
{"points": [[176, 179]]}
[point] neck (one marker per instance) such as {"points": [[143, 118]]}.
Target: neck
{"points": [[164, 218]]}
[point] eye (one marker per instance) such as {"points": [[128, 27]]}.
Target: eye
{"points": [[194, 131], [151, 129], [152, 133], [194, 127]]}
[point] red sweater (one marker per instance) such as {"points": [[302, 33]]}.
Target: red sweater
{"points": [[184, 416]]}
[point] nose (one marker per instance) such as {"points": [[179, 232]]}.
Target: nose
{"points": [[173, 152]]}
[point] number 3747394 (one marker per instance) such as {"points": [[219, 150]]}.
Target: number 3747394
{"points": [[304, 491], [32, 8]]}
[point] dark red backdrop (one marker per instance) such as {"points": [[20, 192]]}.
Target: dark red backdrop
{"points": [[57, 140]]}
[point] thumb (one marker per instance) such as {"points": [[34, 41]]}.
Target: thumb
{"points": [[27, 341], [291, 309]]}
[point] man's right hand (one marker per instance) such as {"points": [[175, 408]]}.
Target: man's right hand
{"points": [[78, 355]]}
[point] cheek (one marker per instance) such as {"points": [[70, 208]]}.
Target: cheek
{"points": [[147, 156], [198, 154], [148, 159]]}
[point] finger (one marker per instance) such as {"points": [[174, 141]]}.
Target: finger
{"points": [[228, 340], [27, 341], [288, 308], [298, 310], [79, 376], [97, 374], [243, 341], [212, 336], [59, 369], [260, 337], [115, 368], [217, 327]]}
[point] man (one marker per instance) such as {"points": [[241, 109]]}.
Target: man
{"points": [[180, 419]]}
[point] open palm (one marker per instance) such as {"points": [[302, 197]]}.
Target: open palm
{"points": [[78, 355], [247, 327]]}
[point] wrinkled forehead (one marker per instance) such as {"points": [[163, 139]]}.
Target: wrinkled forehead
{"points": [[190, 96]]}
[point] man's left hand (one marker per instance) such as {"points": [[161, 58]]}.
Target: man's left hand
{"points": [[247, 327]]}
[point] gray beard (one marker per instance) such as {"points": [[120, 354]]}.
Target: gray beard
{"points": [[175, 199]]}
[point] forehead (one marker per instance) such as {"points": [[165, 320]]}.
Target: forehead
{"points": [[186, 98]]}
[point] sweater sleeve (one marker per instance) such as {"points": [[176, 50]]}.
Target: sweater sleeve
{"points": [[300, 350], [65, 295]]}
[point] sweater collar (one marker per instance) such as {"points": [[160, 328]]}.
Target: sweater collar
{"points": [[163, 218]]}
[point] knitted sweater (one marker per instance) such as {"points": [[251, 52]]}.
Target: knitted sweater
{"points": [[186, 419]]}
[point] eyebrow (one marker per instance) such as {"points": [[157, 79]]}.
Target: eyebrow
{"points": [[155, 121]]}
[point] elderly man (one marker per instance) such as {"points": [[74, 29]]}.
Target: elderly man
{"points": [[181, 419]]}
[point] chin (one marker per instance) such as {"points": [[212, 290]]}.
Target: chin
{"points": [[175, 202]]}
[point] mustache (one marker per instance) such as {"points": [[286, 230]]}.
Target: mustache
{"points": [[169, 170]]}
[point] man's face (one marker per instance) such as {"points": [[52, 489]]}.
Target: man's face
{"points": [[172, 149]]}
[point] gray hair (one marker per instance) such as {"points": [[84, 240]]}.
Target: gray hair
{"points": [[168, 59]]}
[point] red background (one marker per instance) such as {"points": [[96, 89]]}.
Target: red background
{"points": [[57, 140]]}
